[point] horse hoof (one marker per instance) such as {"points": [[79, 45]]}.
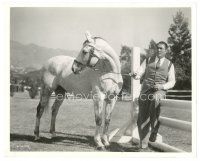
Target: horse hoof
{"points": [[37, 138], [53, 135], [105, 142], [98, 143], [101, 148]]}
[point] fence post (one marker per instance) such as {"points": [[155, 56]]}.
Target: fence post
{"points": [[135, 91], [129, 131], [135, 64]]}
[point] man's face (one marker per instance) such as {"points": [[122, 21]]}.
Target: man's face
{"points": [[161, 50]]}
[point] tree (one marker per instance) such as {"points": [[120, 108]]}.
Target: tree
{"points": [[33, 80], [179, 41], [125, 59]]}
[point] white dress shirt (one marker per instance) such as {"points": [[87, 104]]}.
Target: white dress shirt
{"points": [[171, 74]]}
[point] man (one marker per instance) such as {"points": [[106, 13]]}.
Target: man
{"points": [[159, 76]]}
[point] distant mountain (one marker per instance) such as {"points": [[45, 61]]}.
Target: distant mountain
{"points": [[32, 56]]}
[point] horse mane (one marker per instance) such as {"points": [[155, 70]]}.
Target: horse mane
{"points": [[95, 38], [103, 45]]}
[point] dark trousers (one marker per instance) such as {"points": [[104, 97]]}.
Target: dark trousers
{"points": [[149, 112]]}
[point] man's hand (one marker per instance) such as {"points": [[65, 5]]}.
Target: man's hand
{"points": [[158, 87], [135, 76]]}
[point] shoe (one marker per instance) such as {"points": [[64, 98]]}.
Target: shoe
{"points": [[153, 137]]}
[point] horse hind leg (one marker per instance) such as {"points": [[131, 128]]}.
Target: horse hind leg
{"points": [[44, 100], [60, 96]]}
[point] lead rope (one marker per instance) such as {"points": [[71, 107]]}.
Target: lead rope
{"points": [[113, 72]]}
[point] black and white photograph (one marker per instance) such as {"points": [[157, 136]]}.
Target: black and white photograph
{"points": [[102, 79]]}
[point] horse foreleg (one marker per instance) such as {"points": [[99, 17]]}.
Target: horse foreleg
{"points": [[44, 100], [60, 96], [40, 110], [54, 113], [98, 109], [108, 111]]}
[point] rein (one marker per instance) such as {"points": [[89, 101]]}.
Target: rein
{"points": [[112, 72], [98, 69]]}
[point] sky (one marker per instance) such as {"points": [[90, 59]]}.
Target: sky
{"points": [[65, 27]]}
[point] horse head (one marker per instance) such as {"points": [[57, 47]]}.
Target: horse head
{"points": [[88, 56], [93, 50]]}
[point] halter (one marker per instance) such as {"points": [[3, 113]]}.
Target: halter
{"points": [[77, 62], [91, 55]]}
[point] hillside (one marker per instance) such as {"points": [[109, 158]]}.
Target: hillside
{"points": [[32, 55]]}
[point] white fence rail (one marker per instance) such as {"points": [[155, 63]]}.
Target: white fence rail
{"points": [[177, 124], [181, 104]]}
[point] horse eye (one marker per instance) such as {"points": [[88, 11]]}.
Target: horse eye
{"points": [[84, 52]]}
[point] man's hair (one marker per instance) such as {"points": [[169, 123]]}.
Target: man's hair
{"points": [[163, 43]]}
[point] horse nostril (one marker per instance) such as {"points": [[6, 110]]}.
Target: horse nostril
{"points": [[73, 69]]}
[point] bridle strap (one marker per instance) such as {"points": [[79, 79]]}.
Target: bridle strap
{"points": [[77, 62], [91, 55]]}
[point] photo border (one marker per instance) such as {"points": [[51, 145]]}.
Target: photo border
{"points": [[193, 154]]}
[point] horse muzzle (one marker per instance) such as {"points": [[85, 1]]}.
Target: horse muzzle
{"points": [[77, 67]]}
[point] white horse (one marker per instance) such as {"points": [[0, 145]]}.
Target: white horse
{"points": [[102, 81]]}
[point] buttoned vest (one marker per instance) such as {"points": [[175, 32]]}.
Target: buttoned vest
{"points": [[155, 76]]}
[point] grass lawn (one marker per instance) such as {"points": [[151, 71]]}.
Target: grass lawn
{"points": [[75, 126]]}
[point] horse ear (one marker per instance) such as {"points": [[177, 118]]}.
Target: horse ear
{"points": [[89, 36]]}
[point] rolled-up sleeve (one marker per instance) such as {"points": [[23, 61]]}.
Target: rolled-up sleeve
{"points": [[171, 79], [141, 70]]}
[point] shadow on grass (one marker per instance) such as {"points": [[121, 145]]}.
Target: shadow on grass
{"points": [[75, 140], [68, 139]]}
